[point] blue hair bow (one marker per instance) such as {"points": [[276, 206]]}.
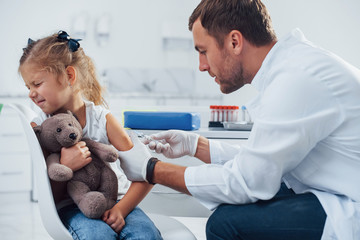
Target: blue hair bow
{"points": [[72, 43], [30, 41]]}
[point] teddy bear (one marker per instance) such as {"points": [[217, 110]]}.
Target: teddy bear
{"points": [[94, 187]]}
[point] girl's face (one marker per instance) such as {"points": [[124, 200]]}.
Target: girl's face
{"points": [[46, 91]]}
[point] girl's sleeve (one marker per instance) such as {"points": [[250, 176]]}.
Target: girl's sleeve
{"points": [[40, 118]]}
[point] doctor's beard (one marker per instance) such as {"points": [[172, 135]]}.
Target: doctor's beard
{"points": [[233, 78]]}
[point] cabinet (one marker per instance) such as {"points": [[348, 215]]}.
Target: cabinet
{"points": [[15, 164]]}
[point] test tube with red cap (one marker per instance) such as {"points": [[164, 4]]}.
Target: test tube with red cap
{"points": [[224, 113]]}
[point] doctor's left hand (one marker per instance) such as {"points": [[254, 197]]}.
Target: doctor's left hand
{"points": [[134, 161]]}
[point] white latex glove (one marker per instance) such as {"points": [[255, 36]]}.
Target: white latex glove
{"points": [[134, 161], [173, 143]]}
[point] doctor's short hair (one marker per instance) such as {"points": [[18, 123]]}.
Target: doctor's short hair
{"points": [[220, 17], [54, 55]]}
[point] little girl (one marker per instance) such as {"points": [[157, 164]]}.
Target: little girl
{"points": [[61, 77]]}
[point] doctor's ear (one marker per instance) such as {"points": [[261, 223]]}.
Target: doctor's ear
{"points": [[235, 41], [71, 75]]}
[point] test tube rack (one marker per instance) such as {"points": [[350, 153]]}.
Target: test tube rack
{"points": [[223, 113]]}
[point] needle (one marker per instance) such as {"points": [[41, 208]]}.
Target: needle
{"points": [[142, 135]]}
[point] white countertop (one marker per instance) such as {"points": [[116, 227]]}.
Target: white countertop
{"points": [[213, 133], [222, 133]]}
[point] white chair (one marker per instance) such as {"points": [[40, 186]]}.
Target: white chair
{"points": [[48, 212], [170, 228]]}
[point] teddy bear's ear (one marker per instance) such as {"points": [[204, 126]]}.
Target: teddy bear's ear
{"points": [[76, 117], [37, 130], [69, 112]]}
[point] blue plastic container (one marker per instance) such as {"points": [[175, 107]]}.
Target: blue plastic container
{"points": [[162, 120]]}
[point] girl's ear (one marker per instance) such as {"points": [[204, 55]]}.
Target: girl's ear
{"points": [[71, 74]]}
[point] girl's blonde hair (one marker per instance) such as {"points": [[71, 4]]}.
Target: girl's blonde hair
{"points": [[54, 55]]}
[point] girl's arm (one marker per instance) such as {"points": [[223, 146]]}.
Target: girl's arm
{"points": [[137, 191]]}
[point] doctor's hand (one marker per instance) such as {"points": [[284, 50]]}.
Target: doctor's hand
{"points": [[173, 143], [135, 160]]}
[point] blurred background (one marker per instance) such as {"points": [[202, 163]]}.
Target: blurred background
{"points": [[143, 50], [145, 57]]}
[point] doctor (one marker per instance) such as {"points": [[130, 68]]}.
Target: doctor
{"points": [[298, 175]]}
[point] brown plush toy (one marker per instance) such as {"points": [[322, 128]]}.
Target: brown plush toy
{"points": [[94, 187]]}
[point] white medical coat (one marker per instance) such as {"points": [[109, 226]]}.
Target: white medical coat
{"points": [[306, 133]]}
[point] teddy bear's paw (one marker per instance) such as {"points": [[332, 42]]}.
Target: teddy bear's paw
{"points": [[93, 204], [60, 173], [110, 203], [112, 156]]}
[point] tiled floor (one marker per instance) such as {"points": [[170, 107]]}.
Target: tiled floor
{"points": [[20, 219]]}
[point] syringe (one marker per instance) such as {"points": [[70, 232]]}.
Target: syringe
{"points": [[141, 135]]}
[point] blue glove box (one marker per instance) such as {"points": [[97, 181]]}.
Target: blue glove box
{"points": [[161, 120]]}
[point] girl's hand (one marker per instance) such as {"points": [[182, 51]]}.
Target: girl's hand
{"points": [[76, 157], [114, 218]]}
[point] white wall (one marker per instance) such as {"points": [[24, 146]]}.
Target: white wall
{"points": [[331, 24], [136, 33]]}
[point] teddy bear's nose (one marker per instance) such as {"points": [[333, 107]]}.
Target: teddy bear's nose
{"points": [[72, 136]]}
